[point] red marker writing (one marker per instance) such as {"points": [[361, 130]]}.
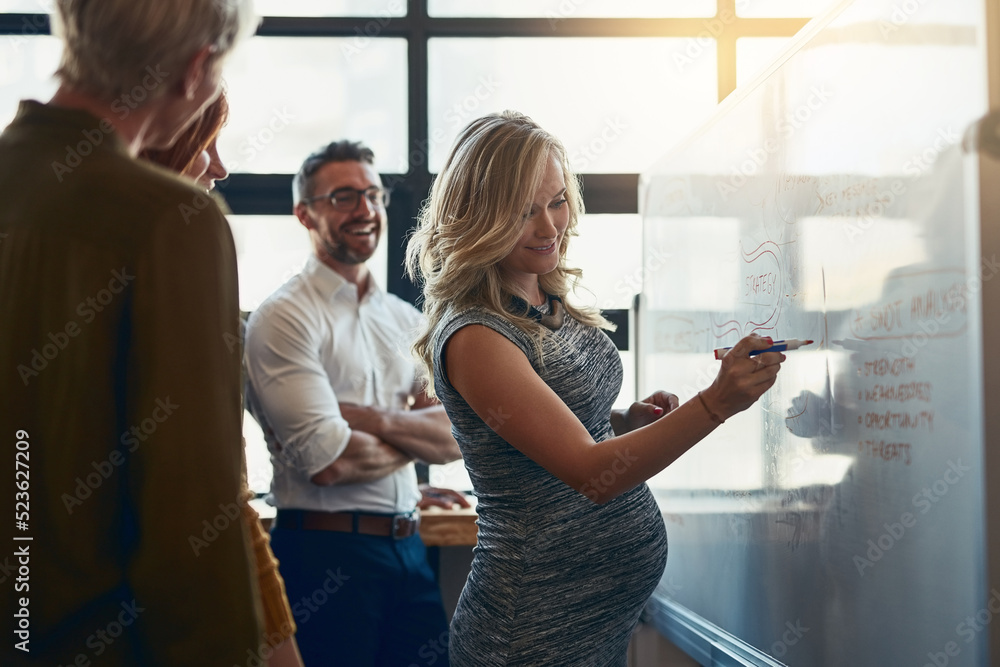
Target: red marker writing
{"points": [[779, 346]]}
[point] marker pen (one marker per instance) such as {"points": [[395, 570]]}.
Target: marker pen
{"points": [[779, 346]]}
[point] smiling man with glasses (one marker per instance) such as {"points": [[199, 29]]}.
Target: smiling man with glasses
{"points": [[344, 226], [333, 385]]}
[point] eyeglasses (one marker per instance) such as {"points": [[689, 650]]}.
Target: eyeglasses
{"points": [[347, 199]]}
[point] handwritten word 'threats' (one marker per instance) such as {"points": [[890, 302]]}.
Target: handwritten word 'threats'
{"points": [[887, 451]]}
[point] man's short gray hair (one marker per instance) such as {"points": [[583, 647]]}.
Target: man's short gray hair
{"points": [[337, 151], [113, 48]]}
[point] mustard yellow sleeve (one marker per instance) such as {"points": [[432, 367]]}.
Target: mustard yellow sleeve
{"points": [[279, 624]]}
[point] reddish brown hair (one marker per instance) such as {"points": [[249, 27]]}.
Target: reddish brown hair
{"points": [[196, 138]]}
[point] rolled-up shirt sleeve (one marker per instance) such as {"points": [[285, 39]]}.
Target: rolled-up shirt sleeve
{"points": [[291, 389]]}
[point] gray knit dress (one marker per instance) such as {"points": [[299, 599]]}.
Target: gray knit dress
{"points": [[556, 579]]}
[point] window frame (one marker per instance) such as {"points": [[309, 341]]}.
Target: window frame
{"points": [[267, 194]]}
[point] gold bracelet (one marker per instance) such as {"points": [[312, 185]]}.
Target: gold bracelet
{"points": [[711, 414]]}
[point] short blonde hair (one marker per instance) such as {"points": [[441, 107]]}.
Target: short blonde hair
{"points": [[113, 47], [472, 221]]}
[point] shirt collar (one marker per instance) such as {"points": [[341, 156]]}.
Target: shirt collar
{"points": [[329, 283]]}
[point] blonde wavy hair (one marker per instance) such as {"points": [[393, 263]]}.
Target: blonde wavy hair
{"points": [[473, 220]]}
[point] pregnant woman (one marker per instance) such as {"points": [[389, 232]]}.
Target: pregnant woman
{"points": [[571, 541]]}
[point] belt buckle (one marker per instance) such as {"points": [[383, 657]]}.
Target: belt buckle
{"points": [[397, 525]]}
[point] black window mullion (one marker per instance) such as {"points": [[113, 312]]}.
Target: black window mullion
{"points": [[270, 194], [410, 191], [724, 24], [25, 25], [568, 27]]}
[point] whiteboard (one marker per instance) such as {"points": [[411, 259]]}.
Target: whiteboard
{"points": [[841, 520]]}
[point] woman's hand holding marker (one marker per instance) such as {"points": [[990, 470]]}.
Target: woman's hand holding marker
{"points": [[748, 370]]}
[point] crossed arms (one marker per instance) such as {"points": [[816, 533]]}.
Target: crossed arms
{"points": [[330, 441], [384, 440]]}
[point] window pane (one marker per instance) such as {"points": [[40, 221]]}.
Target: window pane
{"points": [[783, 8], [662, 89], [450, 476], [555, 9], [754, 54], [290, 95], [609, 252], [26, 67], [259, 470], [626, 396], [26, 6], [383, 8], [270, 249]]}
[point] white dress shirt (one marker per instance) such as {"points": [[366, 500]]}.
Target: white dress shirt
{"points": [[309, 346]]}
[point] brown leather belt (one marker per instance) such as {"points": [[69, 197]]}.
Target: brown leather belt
{"points": [[396, 526]]}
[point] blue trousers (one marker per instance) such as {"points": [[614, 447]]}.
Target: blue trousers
{"points": [[362, 600]]}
